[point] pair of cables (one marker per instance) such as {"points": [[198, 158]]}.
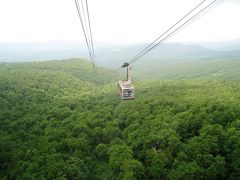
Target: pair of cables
{"points": [[84, 17], [201, 9]]}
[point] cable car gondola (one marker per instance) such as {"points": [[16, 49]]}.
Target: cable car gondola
{"points": [[126, 89]]}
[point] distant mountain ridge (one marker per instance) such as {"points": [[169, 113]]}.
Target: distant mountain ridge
{"points": [[225, 46], [111, 55]]}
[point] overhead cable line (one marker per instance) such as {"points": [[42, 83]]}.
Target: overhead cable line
{"points": [[83, 27], [84, 17], [86, 27], [90, 31], [169, 29], [187, 22]]}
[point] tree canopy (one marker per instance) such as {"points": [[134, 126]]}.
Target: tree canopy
{"points": [[56, 122]]}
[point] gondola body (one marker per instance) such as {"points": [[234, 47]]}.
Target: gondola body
{"points": [[126, 89]]}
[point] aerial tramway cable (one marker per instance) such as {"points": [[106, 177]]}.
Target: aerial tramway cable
{"points": [[83, 27], [169, 29], [86, 27], [90, 31], [157, 42]]}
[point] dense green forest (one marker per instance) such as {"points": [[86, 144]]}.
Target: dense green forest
{"points": [[59, 122]]}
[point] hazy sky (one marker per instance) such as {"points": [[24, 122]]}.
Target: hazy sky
{"points": [[116, 21]]}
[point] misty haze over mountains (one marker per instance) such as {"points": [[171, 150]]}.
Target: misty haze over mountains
{"points": [[112, 55]]}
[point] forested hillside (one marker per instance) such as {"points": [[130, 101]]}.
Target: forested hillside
{"points": [[57, 122], [208, 68], [77, 68]]}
